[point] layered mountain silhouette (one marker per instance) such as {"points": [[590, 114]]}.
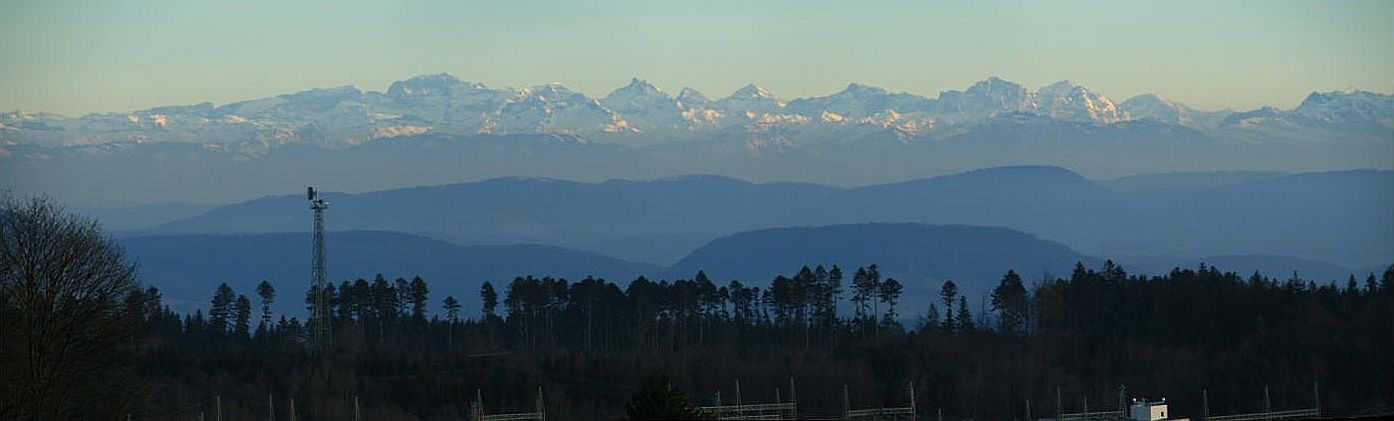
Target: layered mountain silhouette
{"points": [[1338, 217], [922, 257], [187, 267]]}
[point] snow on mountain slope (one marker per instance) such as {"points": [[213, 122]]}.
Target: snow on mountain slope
{"points": [[1156, 108], [750, 101], [552, 108], [984, 99], [641, 113], [1349, 106], [646, 107], [858, 101], [1067, 101]]}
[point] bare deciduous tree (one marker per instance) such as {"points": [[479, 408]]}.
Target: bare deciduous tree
{"points": [[61, 286]]}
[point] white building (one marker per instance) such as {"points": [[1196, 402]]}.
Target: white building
{"points": [[1144, 410]]}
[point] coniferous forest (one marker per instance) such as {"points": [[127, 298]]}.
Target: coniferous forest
{"points": [[1063, 344]]}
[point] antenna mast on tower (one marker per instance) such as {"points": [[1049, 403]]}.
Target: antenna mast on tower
{"points": [[320, 334]]}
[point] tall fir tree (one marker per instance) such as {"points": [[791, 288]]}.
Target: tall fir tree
{"points": [[890, 294], [947, 294], [221, 310], [268, 295], [242, 310], [489, 298], [965, 316], [419, 295], [1011, 303], [452, 309]]}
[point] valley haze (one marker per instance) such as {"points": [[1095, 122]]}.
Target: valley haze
{"points": [[1035, 219]]}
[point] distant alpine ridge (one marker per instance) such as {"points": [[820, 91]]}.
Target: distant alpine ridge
{"points": [[439, 129], [640, 114]]}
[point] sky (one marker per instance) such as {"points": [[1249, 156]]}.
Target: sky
{"points": [[75, 57]]}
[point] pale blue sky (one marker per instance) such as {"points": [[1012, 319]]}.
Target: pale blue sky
{"points": [[75, 57]]}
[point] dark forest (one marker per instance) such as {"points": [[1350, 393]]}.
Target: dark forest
{"points": [[396, 351], [590, 343]]}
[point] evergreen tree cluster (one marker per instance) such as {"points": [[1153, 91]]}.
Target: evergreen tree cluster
{"points": [[591, 343]]}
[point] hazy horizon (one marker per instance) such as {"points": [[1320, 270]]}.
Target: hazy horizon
{"points": [[712, 95], [1239, 55], [889, 180]]}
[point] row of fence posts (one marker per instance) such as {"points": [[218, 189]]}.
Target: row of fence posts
{"points": [[477, 410], [270, 409], [1204, 399], [780, 409], [789, 409]]}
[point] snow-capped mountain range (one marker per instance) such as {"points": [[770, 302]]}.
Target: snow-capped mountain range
{"points": [[641, 114]]}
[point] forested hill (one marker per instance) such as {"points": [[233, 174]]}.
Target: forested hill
{"points": [[920, 256], [186, 266]]}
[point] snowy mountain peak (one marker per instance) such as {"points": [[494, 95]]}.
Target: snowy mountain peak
{"points": [[1253, 117], [691, 98], [553, 108], [985, 98], [1150, 101], [1149, 97], [1064, 87], [640, 85], [1068, 101], [751, 101], [650, 106], [857, 89], [1153, 107], [437, 78], [1321, 98], [752, 91], [1351, 105], [423, 85], [548, 90], [995, 86], [322, 99]]}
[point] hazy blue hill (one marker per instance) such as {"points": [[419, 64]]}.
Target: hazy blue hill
{"points": [[538, 210], [1049, 201], [1342, 217], [187, 267], [1187, 180], [127, 218], [920, 256]]}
